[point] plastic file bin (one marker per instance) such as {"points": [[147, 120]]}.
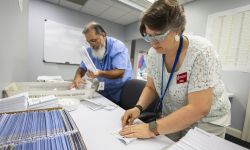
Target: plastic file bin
{"points": [[38, 89]]}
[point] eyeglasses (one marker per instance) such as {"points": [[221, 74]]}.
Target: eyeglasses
{"points": [[156, 38]]}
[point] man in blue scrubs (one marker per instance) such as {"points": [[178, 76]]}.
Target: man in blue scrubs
{"points": [[110, 57]]}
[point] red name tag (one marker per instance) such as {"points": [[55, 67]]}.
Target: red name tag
{"points": [[181, 78]]}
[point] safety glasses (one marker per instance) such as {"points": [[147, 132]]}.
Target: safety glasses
{"points": [[156, 38]]}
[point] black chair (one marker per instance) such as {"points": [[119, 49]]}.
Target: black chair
{"points": [[130, 95]]}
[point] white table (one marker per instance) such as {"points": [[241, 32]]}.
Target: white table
{"points": [[96, 128]]}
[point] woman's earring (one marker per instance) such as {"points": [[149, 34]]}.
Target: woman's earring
{"points": [[177, 38]]}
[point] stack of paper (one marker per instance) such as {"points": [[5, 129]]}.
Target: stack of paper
{"points": [[43, 102], [50, 79], [14, 103], [69, 104], [52, 101], [43, 129], [197, 139], [87, 60]]}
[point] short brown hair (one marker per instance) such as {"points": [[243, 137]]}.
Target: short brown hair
{"points": [[163, 15]]}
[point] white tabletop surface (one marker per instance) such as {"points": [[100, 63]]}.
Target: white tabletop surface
{"points": [[96, 128]]}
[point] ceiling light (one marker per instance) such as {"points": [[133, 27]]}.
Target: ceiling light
{"points": [[141, 5], [79, 2], [151, 1]]}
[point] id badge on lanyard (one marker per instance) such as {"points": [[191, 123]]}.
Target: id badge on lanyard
{"points": [[101, 86]]}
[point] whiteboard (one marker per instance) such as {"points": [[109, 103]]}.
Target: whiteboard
{"points": [[62, 43]]}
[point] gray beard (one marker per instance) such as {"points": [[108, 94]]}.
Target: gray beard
{"points": [[99, 53]]}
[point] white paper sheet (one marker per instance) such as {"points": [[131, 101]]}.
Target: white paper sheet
{"points": [[94, 105], [198, 139], [43, 102], [122, 138], [14, 103], [87, 60]]}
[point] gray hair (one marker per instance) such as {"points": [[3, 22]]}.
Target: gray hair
{"points": [[96, 26]]}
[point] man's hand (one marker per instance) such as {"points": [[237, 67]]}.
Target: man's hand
{"points": [[93, 74], [76, 83]]}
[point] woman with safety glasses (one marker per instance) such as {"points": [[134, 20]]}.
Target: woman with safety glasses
{"points": [[184, 71]]}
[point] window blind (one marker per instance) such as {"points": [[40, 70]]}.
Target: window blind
{"points": [[229, 33]]}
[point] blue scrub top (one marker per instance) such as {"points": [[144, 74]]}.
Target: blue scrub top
{"points": [[115, 57]]}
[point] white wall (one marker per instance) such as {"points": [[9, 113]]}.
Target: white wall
{"points": [[13, 42], [236, 82], [132, 31], [40, 10]]}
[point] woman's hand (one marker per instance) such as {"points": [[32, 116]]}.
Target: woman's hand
{"points": [[137, 131], [129, 116]]}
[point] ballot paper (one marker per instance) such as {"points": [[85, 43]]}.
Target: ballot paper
{"points": [[49, 101], [97, 105], [122, 138], [70, 104], [110, 107], [52, 101], [92, 105], [198, 139], [14, 103], [87, 60]]}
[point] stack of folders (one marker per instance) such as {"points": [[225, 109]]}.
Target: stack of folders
{"points": [[49, 129], [197, 139], [14, 103], [87, 60]]}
